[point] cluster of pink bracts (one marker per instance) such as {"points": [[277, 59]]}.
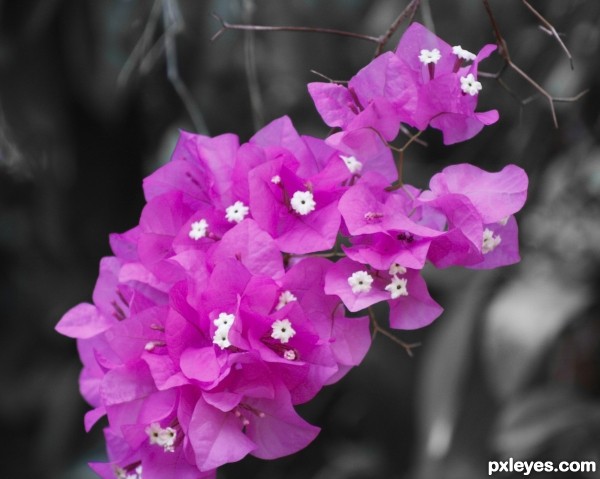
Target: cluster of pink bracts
{"points": [[215, 316]]}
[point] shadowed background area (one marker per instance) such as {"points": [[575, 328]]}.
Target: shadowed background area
{"points": [[92, 95]]}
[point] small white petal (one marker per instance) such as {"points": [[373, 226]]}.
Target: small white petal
{"points": [[285, 298], [397, 269], [221, 338], [430, 56], [352, 163], [490, 242], [236, 212], [224, 321], [397, 287], [290, 355], [276, 180], [360, 282], [198, 229], [303, 202], [164, 438], [469, 85], [463, 54], [282, 330]]}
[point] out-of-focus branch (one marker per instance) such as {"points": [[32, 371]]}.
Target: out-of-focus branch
{"points": [[377, 329], [146, 53], [504, 52], [380, 41], [407, 13], [549, 28]]}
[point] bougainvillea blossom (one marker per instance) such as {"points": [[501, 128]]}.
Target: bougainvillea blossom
{"points": [[228, 304]]}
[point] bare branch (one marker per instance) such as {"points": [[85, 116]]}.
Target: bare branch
{"points": [[504, 52], [408, 12], [267, 28], [549, 28], [173, 24], [408, 347], [330, 80]]}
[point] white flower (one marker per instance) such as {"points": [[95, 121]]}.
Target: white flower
{"points": [[360, 282], [397, 287], [430, 56], [224, 321], [282, 330], [397, 269], [303, 202], [164, 438], [290, 355], [352, 163], [463, 54], [236, 212], [489, 241], [198, 229], [285, 298], [276, 179], [221, 338], [469, 85]]}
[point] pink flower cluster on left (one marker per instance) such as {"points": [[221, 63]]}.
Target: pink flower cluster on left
{"points": [[217, 313], [202, 335]]}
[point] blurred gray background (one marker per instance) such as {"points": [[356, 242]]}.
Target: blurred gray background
{"points": [[92, 94]]}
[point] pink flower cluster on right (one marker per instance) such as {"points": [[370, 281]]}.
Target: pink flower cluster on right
{"points": [[425, 82]]}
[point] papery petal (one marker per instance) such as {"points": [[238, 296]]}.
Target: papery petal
{"points": [[334, 103], [507, 252], [253, 247], [83, 321], [281, 431], [416, 310], [494, 195], [336, 282], [216, 437]]}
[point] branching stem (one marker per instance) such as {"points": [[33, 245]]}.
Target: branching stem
{"points": [[408, 347]]}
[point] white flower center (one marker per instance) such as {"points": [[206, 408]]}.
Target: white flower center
{"points": [[236, 212], [223, 324], [224, 321], [397, 287], [282, 330], [430, 56], [397, 269], [360, 282], [285, 298], [276, 180], [164, 438], [303, 202], [198, 229], [463, 54], [469, 85], [490, 241], [290, 355], [352, 163], [221, 338]]}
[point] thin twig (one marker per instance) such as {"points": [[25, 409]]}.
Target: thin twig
{"points": [[141, 46], [408, 347], [549, 28], [504, 52], [380, 41], [173, 24], [267, 28], [330, 80], [408, 12]]}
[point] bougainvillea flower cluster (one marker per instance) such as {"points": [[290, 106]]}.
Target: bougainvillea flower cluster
{"points": [[220, 311]]}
